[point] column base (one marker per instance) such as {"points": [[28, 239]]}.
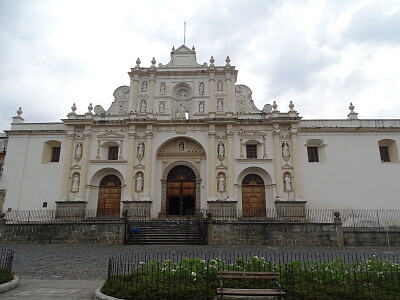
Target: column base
{"points": [[137, 208], [291, 210], [70, 209]]}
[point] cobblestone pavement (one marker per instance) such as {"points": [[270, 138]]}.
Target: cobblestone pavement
{"points": [[90, 262]]}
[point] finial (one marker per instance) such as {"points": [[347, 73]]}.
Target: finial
{"points": [[351, 107], [193, 48], [18, 118], [90, 108], [212, 61], [153, 62], [73, 108], [173, 48], [138, 63], [227, 60], [274, 106], [19, 111], [291, 105]]}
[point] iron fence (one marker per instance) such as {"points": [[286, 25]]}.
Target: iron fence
{"points": [[303, 275], [46, 216], [6, 259]]}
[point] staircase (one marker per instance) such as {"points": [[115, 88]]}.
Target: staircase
{"points": [[166, 232]]}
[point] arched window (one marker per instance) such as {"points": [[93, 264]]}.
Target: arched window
{"points": [[315, 150]]}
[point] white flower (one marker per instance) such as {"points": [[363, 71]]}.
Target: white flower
{"points": [[193, 274]]}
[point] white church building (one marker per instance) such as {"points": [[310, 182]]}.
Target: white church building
{"points": [[184, 136]]}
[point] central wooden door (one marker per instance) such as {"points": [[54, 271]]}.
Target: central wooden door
{"points": [[181, 191], [109, 199], [253, 196]]}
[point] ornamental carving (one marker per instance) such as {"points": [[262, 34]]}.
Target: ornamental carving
{"points": [[181, 146]]}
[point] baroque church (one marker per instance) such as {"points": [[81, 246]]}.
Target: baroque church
{"points": [[184, 136]]}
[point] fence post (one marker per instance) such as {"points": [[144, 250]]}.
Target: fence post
{"points": [[339, 228]]}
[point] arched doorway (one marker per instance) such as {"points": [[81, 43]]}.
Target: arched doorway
{"points": [[109, 199], [253, 196], [181, 191]]}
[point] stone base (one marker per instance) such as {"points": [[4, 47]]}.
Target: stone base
{"points": [[293, 210], [137, 208], [66, 209], [223, 209]]}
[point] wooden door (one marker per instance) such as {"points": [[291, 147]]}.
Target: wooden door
{"points": [[253, 196], [109, 199], [181, 191]]}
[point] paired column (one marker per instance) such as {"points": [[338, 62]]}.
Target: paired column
{"points": [[230, 159], [150, 103], [296, 165], [130, 163], [84, 167], [67, 166], [147, 165], [278, 162], [133, 95], [211, 163], [213, 102]]}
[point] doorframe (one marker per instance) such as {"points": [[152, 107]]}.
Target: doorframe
{"points": [[258, 185], [163, 212], [120, 192]]}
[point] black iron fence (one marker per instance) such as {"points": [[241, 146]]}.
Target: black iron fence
{"points": [[6, 259], [192, 275], [363, 219], [46, 216]]}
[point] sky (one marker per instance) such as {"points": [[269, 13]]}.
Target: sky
{"points": [[320, 54]]}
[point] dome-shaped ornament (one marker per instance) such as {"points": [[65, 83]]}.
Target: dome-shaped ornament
{"points": [[351, 107], [90, 107], [19, 111], [212, 61], [193, 48], [291, 106], [153, 62], [73, 107], [274, 105], [138, 62]]}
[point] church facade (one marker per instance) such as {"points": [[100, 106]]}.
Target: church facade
{"points": [[184, 136]]}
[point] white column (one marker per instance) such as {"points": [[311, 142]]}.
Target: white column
{"points": [[147, 165], [296, 165], [133, 95], [150, 103], [84, 168], [67, 167], [230, 158], [213, 104], [130, 163], [212, 185], [278, 162]]}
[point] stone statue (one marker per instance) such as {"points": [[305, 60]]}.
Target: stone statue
{"points": [[288, 183], [201, 88], [220, 105], [75, 183], [220, 85], [161, 107], [285, 149], [140, 149], [78, 150], [162, 88], [201, 106], [139, 183], [221, 183], [144, 86], [143, 106], [181, 146], [221, 149], [181, 112]]}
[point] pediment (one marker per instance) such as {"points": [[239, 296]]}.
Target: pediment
{"points": [[181, 147], [182, 57], [111, 135]]}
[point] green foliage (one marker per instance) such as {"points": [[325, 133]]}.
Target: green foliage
{"points": [[197, 279], [5, 276]]}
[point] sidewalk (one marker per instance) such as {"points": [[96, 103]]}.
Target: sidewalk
{"points": [[34, 289]]}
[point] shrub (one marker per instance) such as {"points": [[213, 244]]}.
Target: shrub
{"points": [[5, 276]]}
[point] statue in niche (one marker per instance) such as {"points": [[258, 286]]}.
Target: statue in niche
{"points": [[140, 149], [201, 88], [139, 183], [220, 105], [220, 85], [144, 86], [181, 146], [162, 88], [78, 150], [181, 111], [75, 183], [221, 183], [285, 149], [161, 107], [221, 149], [201, 106], [143, 106], [288, 183]]}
